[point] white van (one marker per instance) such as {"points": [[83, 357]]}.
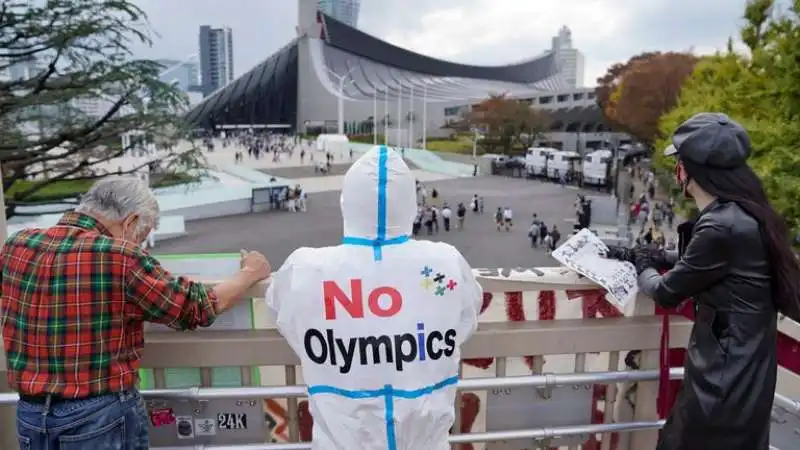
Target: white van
{"points": [[562, 163], [596, 167], [536, 160], [333, 143]]}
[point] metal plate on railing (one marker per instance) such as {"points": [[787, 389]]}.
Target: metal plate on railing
{"points": [[785, 431], [532, 407], [175, 423]]}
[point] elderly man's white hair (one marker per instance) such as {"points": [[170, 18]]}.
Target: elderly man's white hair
{"points": [[117, 197]]}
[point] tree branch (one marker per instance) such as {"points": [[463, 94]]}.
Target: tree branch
{"points": [[78, 50]]}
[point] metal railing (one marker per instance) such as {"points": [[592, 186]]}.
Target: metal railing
{"points": [[498, 339], [545, 381]]}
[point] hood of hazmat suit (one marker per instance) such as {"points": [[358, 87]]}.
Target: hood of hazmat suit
{"points": [[378, 321]]}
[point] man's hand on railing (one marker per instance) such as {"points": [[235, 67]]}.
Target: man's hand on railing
{"points": [[256, 265], [254, 268]]}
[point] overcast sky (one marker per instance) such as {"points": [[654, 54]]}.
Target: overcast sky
{"points": [[470, 31]]}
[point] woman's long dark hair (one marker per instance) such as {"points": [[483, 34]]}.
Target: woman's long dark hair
{"points": [[742, 186]]}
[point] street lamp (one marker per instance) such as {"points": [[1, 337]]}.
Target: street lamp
{"points": [[386, 117], [399, 114], [474, 144], [375, 117], [425, 117], [7, 415], [3, 230], [411, 117], [340, 95]]}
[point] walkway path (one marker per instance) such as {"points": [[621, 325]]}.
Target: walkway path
{"points": [[289, 167], [225, 156], [222, 156], [325, 183], [306, 171], [670, 234]]}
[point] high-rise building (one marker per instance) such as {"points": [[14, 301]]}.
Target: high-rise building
{"points": [[342, 10], [216, 58], [185, 74], [568, 58], [90, 105], [26, 69]]}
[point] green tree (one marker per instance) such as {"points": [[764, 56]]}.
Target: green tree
{"points": [[508, 123], [608, 84], [649, 89], [759, 90], [56, 58]]}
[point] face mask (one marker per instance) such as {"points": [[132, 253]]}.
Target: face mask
{"points": [[683, 179]]}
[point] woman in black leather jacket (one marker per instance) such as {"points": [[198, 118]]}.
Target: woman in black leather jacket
{"points": [[739, 270]]}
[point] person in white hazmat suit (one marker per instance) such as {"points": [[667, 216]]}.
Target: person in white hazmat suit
{"points": [[378, 321]]}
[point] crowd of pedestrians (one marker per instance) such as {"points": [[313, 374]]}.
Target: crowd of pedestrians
{"points": [[652, 220], [543, 237]]}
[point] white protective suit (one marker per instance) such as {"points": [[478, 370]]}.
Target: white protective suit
{"points": [[379, 320]]}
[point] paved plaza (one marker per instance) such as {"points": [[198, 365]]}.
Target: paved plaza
{"points": [[306, 171], [278, 233]]}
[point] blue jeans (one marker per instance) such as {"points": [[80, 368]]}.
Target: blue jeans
{"points": [[109, 422]]}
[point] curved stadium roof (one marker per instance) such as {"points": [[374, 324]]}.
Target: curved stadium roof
{"points": [[368, 78], [375, 68], [356, 42]]}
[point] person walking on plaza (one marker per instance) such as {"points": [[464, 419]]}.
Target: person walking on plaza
{"points": [[533, 234], [74, 299], [447, 213], [461, 212], [508, 218], [556, 237], [498, 218]]}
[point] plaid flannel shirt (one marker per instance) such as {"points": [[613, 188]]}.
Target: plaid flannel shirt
{"points": [[73, 302]]}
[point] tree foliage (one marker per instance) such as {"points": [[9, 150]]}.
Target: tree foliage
{"points": [[57, 56], [507, 123], [759, 90], [607, 84], [635, 95]]}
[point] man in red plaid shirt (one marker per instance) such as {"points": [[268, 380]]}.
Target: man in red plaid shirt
{"points": [[74, 299]]}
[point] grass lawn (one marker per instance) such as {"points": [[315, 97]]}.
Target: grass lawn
{"points": [[458, 145], [57, 190], [463, 145]]}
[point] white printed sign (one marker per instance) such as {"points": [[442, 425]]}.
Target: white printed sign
{"points": [[583, 253], [205, 427], [232, 421]]}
